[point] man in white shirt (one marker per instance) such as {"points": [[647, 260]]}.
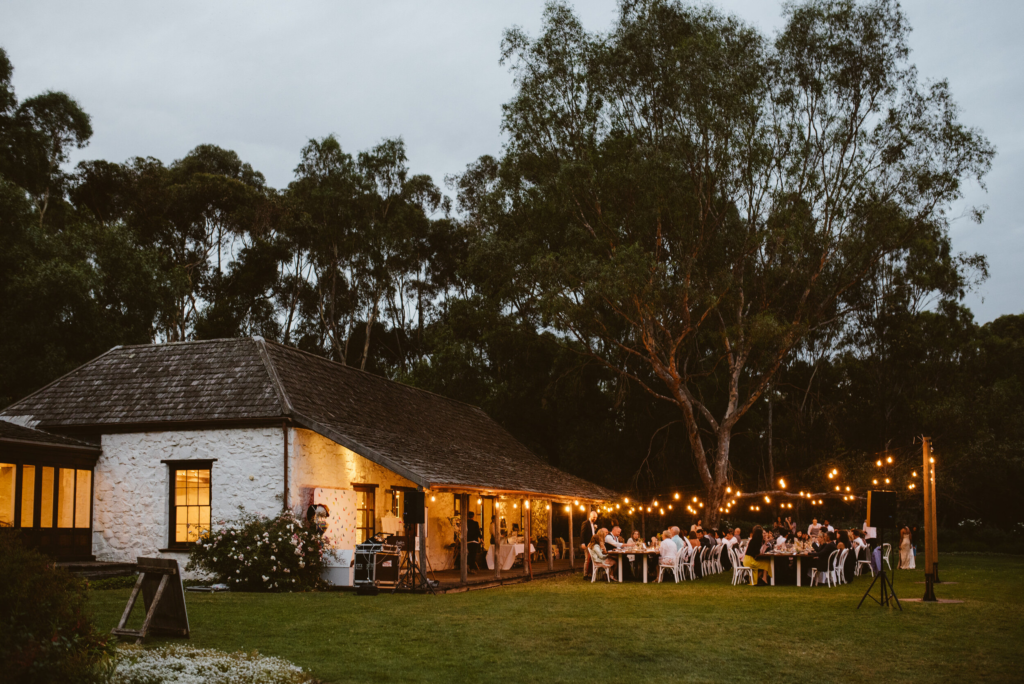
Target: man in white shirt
{"points": [[730, 539], [829, 527], [611, 540], [668, 548]]}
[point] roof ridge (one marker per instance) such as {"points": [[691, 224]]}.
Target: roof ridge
{"points": [[375, 376], [275, 379]]}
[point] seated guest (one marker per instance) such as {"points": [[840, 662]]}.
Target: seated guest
{"points": [[669, 550], [598, 552], [612, 539], [731, 539], [635, 538], [704, 539], [692, 539], [760, 568], [780, 538], [677, 539], [819, 557]]}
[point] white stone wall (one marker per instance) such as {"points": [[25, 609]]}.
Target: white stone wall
{"points": [[315, 461], [132, 486]]}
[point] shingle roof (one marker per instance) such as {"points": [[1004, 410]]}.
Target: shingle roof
{"points": [[429, 439], [9, 432]]}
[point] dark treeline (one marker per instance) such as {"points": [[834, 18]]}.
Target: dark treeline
{"points": [[368, 264]]}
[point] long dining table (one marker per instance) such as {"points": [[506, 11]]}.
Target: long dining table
{"points": [[770, 557], [622, 553]]}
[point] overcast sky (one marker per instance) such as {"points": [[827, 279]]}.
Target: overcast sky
{"points": [[263, 78]]}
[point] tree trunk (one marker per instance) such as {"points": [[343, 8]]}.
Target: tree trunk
{"points": [[369, 328]]}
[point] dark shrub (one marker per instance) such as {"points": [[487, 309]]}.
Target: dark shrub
{"points": [[46, 635], [256, 553]]}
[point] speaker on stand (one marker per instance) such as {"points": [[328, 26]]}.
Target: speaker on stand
{"points": [[882, 516], [413, 574]]}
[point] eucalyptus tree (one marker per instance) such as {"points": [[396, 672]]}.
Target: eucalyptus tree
{"points": [[690, 200]]}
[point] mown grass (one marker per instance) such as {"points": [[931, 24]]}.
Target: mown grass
{"points": [[567, 629]]}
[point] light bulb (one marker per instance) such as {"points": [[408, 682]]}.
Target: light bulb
{"points": [[676, 496]]}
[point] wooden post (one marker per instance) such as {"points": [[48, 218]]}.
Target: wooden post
{"points": [[463, 533], [527, 556], [929, 570], [496, 525], [572, 544], [551, 535], [933, 527]]}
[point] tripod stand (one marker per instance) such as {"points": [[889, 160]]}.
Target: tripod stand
{"points": [[886, 591], [411, 575]]}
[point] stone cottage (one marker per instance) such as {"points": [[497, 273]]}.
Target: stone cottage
{"points": [[156, 443]]}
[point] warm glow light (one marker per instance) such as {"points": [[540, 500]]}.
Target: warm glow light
{"points": [[931, 460], [648, 509], [889, 460], [702, 504], [515, 505], [886, 480], [830, 476], [582, 508], [626, 499], [655, 504], [847, 489], [739, 493], [548, 507], [879, 464], [670, 507], [433, 499], [694, 499], [728, 490], [913, 474], [479, 501], [576, 502], [874, 482], [767, 500], [616, 506], [677, 496], [782, 483], [663, 511], [837, 488]]}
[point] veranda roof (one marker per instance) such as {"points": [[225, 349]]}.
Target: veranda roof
{"points": [[436, 442]]}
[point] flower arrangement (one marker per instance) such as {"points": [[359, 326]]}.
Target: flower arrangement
{"points": [[257, 553], [187, 664]]}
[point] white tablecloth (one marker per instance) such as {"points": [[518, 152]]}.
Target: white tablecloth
{"points": [[507, 554]]}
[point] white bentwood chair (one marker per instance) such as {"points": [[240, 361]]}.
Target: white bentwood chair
{"points": [[841, 567], [740, 572], [828, 573], [599, 567], [670, 564], [886, 552]]}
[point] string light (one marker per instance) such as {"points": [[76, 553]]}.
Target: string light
{"points": [[782, 483], [433, 498], [694, 499], [874, 482], [548, 507], [728, 490], [479, 501], [831, 475], [886, 480], [767, 500], [663, 511], [677, 496], [889, 460], [837, 488], [913, 474], [655, 503], [847, 489], [879, 463], [670, 507]]}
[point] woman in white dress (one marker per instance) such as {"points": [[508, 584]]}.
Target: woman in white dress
{"points": [[906, 550]]}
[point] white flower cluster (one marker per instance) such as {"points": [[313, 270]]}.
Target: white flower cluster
{"points": [[176, 664]]}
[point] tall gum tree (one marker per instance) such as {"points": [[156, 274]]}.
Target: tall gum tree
{"points": [[691, 200]]}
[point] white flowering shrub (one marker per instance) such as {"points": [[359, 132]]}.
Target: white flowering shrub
{"points": [[257, 553], [177, 664]]}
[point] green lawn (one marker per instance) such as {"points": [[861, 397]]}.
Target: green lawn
{"points": [[567, 629]]}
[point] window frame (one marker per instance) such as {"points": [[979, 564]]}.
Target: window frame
{"points": [[371, 489], [173, 466]]}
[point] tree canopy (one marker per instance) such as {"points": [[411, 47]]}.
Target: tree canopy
{"points": [[705, 256]]}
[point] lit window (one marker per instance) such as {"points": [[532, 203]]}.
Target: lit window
{"points": [[190, 503]]}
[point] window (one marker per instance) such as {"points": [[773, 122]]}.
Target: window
{"points": [[7, 490], [365, 512], [190, 501], [28, 495]]}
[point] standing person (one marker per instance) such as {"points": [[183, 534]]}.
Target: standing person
{"points": [[695, 526], [906, 550], [587, 532], [813, 529], [473, 538]]}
